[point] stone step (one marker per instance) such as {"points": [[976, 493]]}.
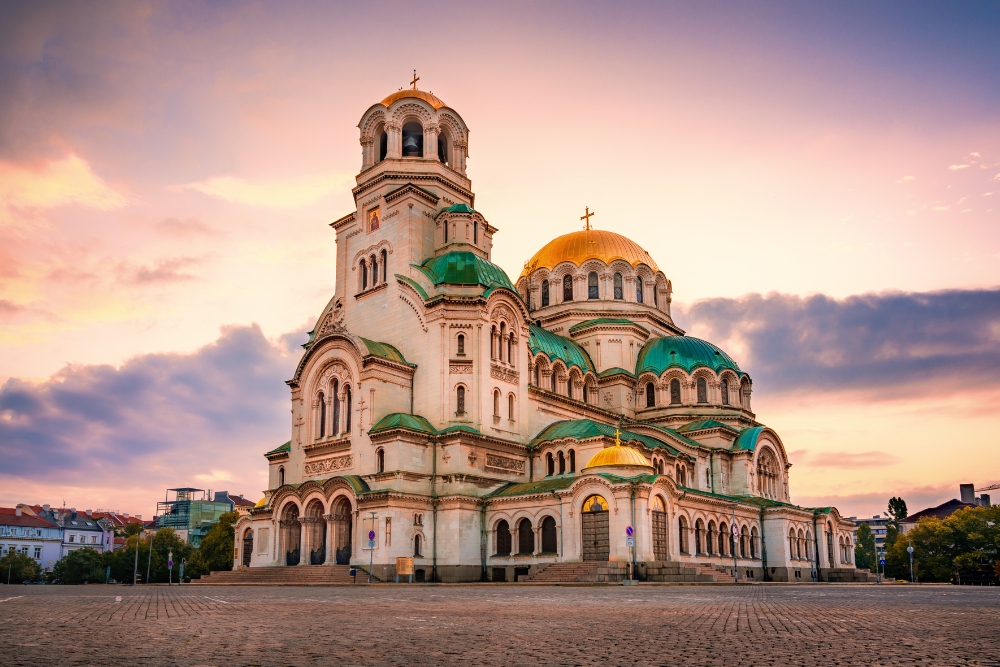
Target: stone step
{"points": [[307, 574], [578, 572]]}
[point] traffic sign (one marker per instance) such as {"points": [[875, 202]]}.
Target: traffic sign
{"points": [[629, 531], [371, 544], [371, 534], [881, 561], [630, 541], [736, 530]]}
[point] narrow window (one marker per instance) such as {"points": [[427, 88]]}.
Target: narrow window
{"points": [[586, 394], [445, 231], [460, 399], [525, 537], [553, 380], [496, 403], [385, 268], [335, 422], [443, 149], [347, 405], [503, 334], [702, 391], [675, 392], [503, 539], [638, 290], [549, 542], [650, 395], [281, 476], [592, 291], [322, 415], [383, 146], [538, 375], [656, 300], [510, 348], [725, 392], [374, 271], [562, 463], [461, 343], [619, 292], [510, 407], [550, 465], [545, 293], [567, 288], [364, 275], [493, 342], [572, 461], [380, 460], [475, 233], [416, 546]]}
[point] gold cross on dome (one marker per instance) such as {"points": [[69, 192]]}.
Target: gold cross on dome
{"points": [[586, 218], [415, 79], [618, 442]]}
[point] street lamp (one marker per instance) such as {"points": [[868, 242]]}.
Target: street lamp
{"points": [[910, 550]]}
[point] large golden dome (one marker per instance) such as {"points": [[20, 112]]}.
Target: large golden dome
{"points": [[618, 456], [430, 98], [578, 247]]}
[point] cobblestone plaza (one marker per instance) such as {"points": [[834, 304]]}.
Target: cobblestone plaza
{"points": [[500, 625]]}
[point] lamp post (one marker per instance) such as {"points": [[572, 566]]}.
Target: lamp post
{"points": [[910, 550]]}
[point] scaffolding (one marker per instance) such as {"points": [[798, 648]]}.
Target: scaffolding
{"points": [[190, 513]]}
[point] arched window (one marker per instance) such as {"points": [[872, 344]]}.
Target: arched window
{"points": [[525, 537], [562, 463], [743, 542], [656, 300], [510, 407], [322, 414], [682, 542], [549, 543], [567, 287], [461, 343], [384, 267], [347, 405], [572, 461], [281, 476], [800, 540], [660, 551], [383, 146], [767, 474], [675, 392], [791, 543], [698, 530], [493, 342], [460, 401], [335, 421], [443, 148], [364, 275], [500, 342], [592, 291], [413, 140], [723, 538], [638, 290], [710, 538], [374, 271], [553, 380], [619, 292], [550, 465], [510, 348], [380, 460], [829, 543], [586, 393], [545, 293], [416, 546], [496, 403], [702, 391], [753, 542], [650, 395], [538, 374], [595, 504], [475, 232], [446, 225], [725, 392], [503, 538]]}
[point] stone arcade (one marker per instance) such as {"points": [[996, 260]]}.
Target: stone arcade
{"points": [[493, 430]]}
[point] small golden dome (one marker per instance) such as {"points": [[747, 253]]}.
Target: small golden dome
{"points": [[430, 98], [619, 456], [578, 247], [261, 502]]}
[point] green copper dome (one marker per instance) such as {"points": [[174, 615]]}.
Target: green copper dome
{"points": [[683, 352], [465, 268]]}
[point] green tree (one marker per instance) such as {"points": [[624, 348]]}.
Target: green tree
{"points": [[17, 568], [82, 566], [864, 550], [217, 547], [891, 566], [164, 542], [963, 545], [897, 510]]}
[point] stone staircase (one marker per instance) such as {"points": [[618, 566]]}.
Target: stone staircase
{"points": [[844, 575], [306, 575], [678, 573], [578, 572]]}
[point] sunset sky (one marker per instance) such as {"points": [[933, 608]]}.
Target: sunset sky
{"points": [[821, 183]]}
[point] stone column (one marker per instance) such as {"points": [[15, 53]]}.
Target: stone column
{"points": [[431, 141], [304, 540], [331, 556]]}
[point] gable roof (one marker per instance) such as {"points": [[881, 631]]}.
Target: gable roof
{"points": [[385, 351], [558, 347], [587, 429], [942, 511], [9, 517], [705, 425]]}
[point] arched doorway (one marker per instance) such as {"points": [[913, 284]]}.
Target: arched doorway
{"points": [[247, 546], [316, 539], [291, 533], [660, 529], [550, 544], [342, 531], [596, 537]]}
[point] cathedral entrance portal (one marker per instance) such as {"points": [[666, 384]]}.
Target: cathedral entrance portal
{"points": [[316, 526], [291, 534], [342, 531], [596, 537], [247, 546]]}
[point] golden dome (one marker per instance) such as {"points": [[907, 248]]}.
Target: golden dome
{"points": [[578, 247], [261, 502], [430, 98], [620, 456]]}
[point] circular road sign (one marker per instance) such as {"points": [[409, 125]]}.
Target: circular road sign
{"points": [[371, 534], [629, 531], [736, 530]]}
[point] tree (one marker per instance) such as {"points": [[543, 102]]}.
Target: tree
{"points": [[163, 542], [864, 550], [17, 568], [82, 566], [217, 547], [961, 547], [897, 510]]}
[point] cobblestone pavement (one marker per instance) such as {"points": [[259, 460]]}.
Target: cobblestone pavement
{"points": [[514, 624]]}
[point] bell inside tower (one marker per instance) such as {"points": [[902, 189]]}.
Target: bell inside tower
{"points": [[413, 140]]}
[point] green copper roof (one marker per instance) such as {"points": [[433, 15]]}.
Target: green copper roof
{"points": [[684, 352], [747, 439], [385, 351], [615, 370], [405, 421], [557, 347], [414, 284], [456, 208], [359, 485], [465, 268], [460, 427], [287, 447], [704, 425], [585, 429], [541, 486], [605, 320], [682, 438]]}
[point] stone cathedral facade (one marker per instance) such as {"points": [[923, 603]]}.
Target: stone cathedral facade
{"points": [[495, 429]]}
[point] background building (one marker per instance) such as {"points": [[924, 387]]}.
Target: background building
{"points": [[878, 525], [22, 530], [191, 512]]}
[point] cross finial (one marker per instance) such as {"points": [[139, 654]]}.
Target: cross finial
{"points": [[415, 79], [618, 441], [586, 218]]}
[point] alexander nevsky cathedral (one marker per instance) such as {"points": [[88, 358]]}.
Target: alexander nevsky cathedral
{"points": [[559, 427]]}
